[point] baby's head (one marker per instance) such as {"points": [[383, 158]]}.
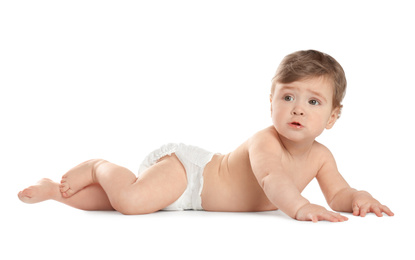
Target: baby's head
{"points": [[308, 64]]}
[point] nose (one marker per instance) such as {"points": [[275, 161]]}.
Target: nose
{"points": [[297, 111]]}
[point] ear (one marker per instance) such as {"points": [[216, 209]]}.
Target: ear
{"points": [[270, 100], [335, 114]]}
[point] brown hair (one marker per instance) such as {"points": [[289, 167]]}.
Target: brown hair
{"points": [[307, 64]]}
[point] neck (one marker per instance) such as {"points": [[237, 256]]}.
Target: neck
{"points": [[296, 149]]}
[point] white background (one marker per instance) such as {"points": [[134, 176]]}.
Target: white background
{"points": [[116, 79]]}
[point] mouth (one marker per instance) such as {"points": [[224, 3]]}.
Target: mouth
{"points": [[296, 125]]}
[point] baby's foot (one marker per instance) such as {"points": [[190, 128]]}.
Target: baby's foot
{"points": [[45, 189], [78, 178]]}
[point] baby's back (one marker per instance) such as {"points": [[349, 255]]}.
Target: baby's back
{"points": [[230, 184]]}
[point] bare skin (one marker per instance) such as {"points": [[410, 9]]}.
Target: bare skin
{"points": [[233, 189], [267, 172], [229, 185], [44, 189], [91, 197]]}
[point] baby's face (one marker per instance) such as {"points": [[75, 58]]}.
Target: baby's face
{"points": [[301, 110]]}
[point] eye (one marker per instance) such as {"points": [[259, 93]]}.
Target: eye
{"points": [[288, 98], [314, 102]]}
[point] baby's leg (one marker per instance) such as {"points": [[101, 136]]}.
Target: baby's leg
{"points": [[159, 186], [91, 197], [77, 177]]}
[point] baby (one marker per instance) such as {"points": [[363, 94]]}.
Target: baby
{"points": [[267, 172]]}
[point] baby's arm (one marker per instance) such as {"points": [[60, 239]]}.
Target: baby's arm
{"points": [[341, 197], [265, 154]]}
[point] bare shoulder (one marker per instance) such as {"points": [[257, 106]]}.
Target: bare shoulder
{"points": [[267, 136], [265, 145], [321, 149], [265, 152], [323, 155]]}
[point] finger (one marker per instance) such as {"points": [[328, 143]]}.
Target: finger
{"points": [[333, 217], [314, 218], [364, 210], [340, 217], [356, 210], [377, 211], [329, 217], [343, 218], [386, 210]]}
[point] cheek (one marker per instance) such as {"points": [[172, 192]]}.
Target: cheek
{"points": [[279, 116], [325, 120], [275, 115], [277, 111], [320, 119]]}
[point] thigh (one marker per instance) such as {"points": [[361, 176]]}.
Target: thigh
{"points": [[161, 184]]}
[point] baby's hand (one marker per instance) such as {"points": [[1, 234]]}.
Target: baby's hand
{"points": [[364, 203], [316, 213]]}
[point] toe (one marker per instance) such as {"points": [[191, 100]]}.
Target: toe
{"points": [[63, 188], [69, 192], [25, 195]]}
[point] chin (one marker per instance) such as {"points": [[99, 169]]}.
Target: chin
{"points": [[297, 137], [293, 137]]}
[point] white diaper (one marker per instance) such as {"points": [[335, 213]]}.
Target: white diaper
{"points": [[194, 160]]}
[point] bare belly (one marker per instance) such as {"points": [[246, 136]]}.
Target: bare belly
{"points": [[230, 185]]}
